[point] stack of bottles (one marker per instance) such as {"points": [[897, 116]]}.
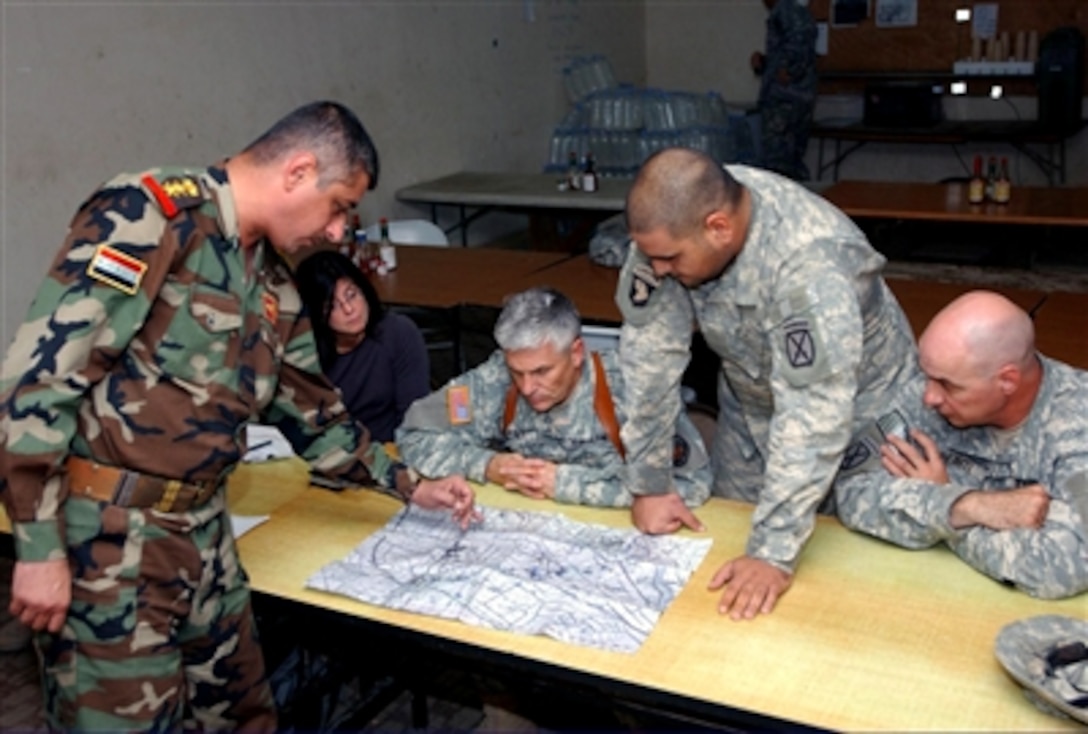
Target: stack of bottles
{"points": [[586, 75], [622, 125], [995, 186]]}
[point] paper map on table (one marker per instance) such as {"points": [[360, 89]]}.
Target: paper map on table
{"points": [[526, 572]]}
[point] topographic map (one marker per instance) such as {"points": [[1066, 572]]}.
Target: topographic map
{"points": [[528, 572]]}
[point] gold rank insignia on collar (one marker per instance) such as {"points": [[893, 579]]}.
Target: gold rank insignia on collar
{"points": [[174, 193]]}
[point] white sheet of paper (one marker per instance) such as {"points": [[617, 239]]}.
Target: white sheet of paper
{"points": [[242, 524], [266, 442]]}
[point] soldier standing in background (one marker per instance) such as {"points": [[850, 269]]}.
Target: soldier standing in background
{"points": [[787, 291], [787, 89], [540, 416], [985, 449], [167, 322]]}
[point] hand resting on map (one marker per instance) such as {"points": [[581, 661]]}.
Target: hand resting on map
{"points": [[452, 493]]}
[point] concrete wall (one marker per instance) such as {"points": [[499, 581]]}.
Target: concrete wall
{"points": [[91, 89]]}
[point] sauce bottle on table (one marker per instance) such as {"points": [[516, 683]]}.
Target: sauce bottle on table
{"points": [[387, 254], [976, 188], [589, 175], [574, 173], [991, 177], [1003, 186]]}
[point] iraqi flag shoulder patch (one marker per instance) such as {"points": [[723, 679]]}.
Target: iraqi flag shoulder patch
{"points": [[114, 268]]}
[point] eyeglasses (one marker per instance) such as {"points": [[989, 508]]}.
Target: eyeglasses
{"points": [[348, 299]]}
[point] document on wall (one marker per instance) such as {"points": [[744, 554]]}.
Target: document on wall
{"points": [[896, 13], [984, 21], [525, 572]]}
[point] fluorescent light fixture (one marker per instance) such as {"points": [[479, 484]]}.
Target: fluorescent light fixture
{"points": [[996, 91], [963, 15], [958, 87]]}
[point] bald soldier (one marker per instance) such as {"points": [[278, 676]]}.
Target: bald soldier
{"points": [[986, 450], [542, 416], [787, 291], [168, 321]]}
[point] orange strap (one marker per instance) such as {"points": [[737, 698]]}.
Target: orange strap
{"points": [[602, 406], [605, 408], [511, 407]]}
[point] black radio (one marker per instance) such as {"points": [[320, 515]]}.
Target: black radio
{"points": [[903, 104]]}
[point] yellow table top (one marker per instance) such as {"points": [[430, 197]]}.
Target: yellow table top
{"points": [[869, 637]]}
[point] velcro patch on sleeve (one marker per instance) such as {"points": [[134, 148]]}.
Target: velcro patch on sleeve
{"points": [[800, 339], [270, 306], [637, 290], [114, 268], [863, 453], [458, 405]]}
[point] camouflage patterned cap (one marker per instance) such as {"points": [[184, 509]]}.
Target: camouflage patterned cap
{"points": [[1048, 656]]}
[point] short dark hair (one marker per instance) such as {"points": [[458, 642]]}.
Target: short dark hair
{"points": [[316, 278], [332, 132], [675, 189]]}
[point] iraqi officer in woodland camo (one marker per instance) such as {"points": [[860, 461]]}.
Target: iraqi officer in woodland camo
{"points": [[167, 322], [542, 416], [985, 449], [787, 291]]}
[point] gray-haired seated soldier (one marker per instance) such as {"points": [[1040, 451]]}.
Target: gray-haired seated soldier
{"points": [[541, 416], [987, 451]]}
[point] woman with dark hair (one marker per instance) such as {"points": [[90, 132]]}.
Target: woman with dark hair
{"points": [[376, 357]]}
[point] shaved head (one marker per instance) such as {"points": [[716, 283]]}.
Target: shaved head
{"points": [[676, 189], [984, 329], [978, 355]]}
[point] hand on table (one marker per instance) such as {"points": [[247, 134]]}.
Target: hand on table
{"points": [[657, 514], [752, 587], [451, 492], [41, 592], [922, 461], [534, 478]]}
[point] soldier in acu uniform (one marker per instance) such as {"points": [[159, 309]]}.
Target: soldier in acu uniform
{"points": [[542, 417], [787, 89], [166, 323], [986, 450], [787, 291]]}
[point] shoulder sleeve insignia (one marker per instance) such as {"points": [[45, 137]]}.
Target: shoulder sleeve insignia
{"points": [[458, 405], [800, 346], [173, 193], [681, 451], [637, 290], [643, 284], [114, 268], [863, 452], [271, 307], [856, 455]]}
